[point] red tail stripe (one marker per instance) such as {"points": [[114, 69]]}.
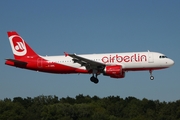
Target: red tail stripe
{"points": [[12, 33]]}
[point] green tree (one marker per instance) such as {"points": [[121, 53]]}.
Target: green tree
{"points": [[11, 111]]}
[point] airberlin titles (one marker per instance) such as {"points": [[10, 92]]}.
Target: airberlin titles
{"points": [[126, 58]]}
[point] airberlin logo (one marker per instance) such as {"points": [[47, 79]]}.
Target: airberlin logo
{"points": [[126, 58], [18, 45]]}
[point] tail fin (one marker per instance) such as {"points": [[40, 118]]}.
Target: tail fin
{"points": [[19, 47]]}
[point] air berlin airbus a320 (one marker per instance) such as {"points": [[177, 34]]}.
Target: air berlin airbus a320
{"points": [[113, 65]]}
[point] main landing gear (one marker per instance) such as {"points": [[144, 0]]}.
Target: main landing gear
{"points": [[151, 77], [94, 79]]}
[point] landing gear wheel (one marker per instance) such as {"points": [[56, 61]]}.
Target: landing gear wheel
{"points": [[152, 77], [94, 80]]}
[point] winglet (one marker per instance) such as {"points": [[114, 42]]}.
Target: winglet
{"points": [[66, 54]]}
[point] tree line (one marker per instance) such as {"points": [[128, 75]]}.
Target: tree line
{"points": [[87, 108]]}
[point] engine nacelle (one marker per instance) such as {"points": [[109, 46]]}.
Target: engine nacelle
{"points": [[114, 71]]}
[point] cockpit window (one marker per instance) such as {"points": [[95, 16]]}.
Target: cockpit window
{"points": [[162, 56]]}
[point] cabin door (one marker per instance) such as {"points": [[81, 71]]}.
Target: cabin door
{"points": [[150, 57]]}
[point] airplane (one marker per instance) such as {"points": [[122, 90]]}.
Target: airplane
{"points": [[114, 65]]}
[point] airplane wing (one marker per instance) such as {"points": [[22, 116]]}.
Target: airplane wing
{"points": [[89, 64]]}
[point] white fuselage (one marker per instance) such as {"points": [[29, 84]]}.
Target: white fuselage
{"points": [[129, 61]]}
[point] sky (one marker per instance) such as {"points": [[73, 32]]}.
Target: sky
{"points": [[84, 27]]}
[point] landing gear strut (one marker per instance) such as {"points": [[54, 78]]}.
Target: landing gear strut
{"points": [[151, 77], [94, 78]]}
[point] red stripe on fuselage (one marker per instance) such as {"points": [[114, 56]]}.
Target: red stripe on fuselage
{"points": [[43, 65], [59, 68]]}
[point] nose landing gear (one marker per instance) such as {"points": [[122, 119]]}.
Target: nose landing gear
{"points": [[151, 77]]}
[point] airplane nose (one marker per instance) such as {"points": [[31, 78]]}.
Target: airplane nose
{"points": [[171, 62]]}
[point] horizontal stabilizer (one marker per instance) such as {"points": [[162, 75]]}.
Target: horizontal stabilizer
{"points": [[16, 63]]}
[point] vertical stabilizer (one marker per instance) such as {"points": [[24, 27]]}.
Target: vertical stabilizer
{"points": [[19, 47]]}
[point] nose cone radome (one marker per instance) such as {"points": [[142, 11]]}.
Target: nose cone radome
{"points": [[171, 62]]}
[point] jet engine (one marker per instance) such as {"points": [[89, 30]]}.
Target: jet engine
{"points": [[114, 71]]}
